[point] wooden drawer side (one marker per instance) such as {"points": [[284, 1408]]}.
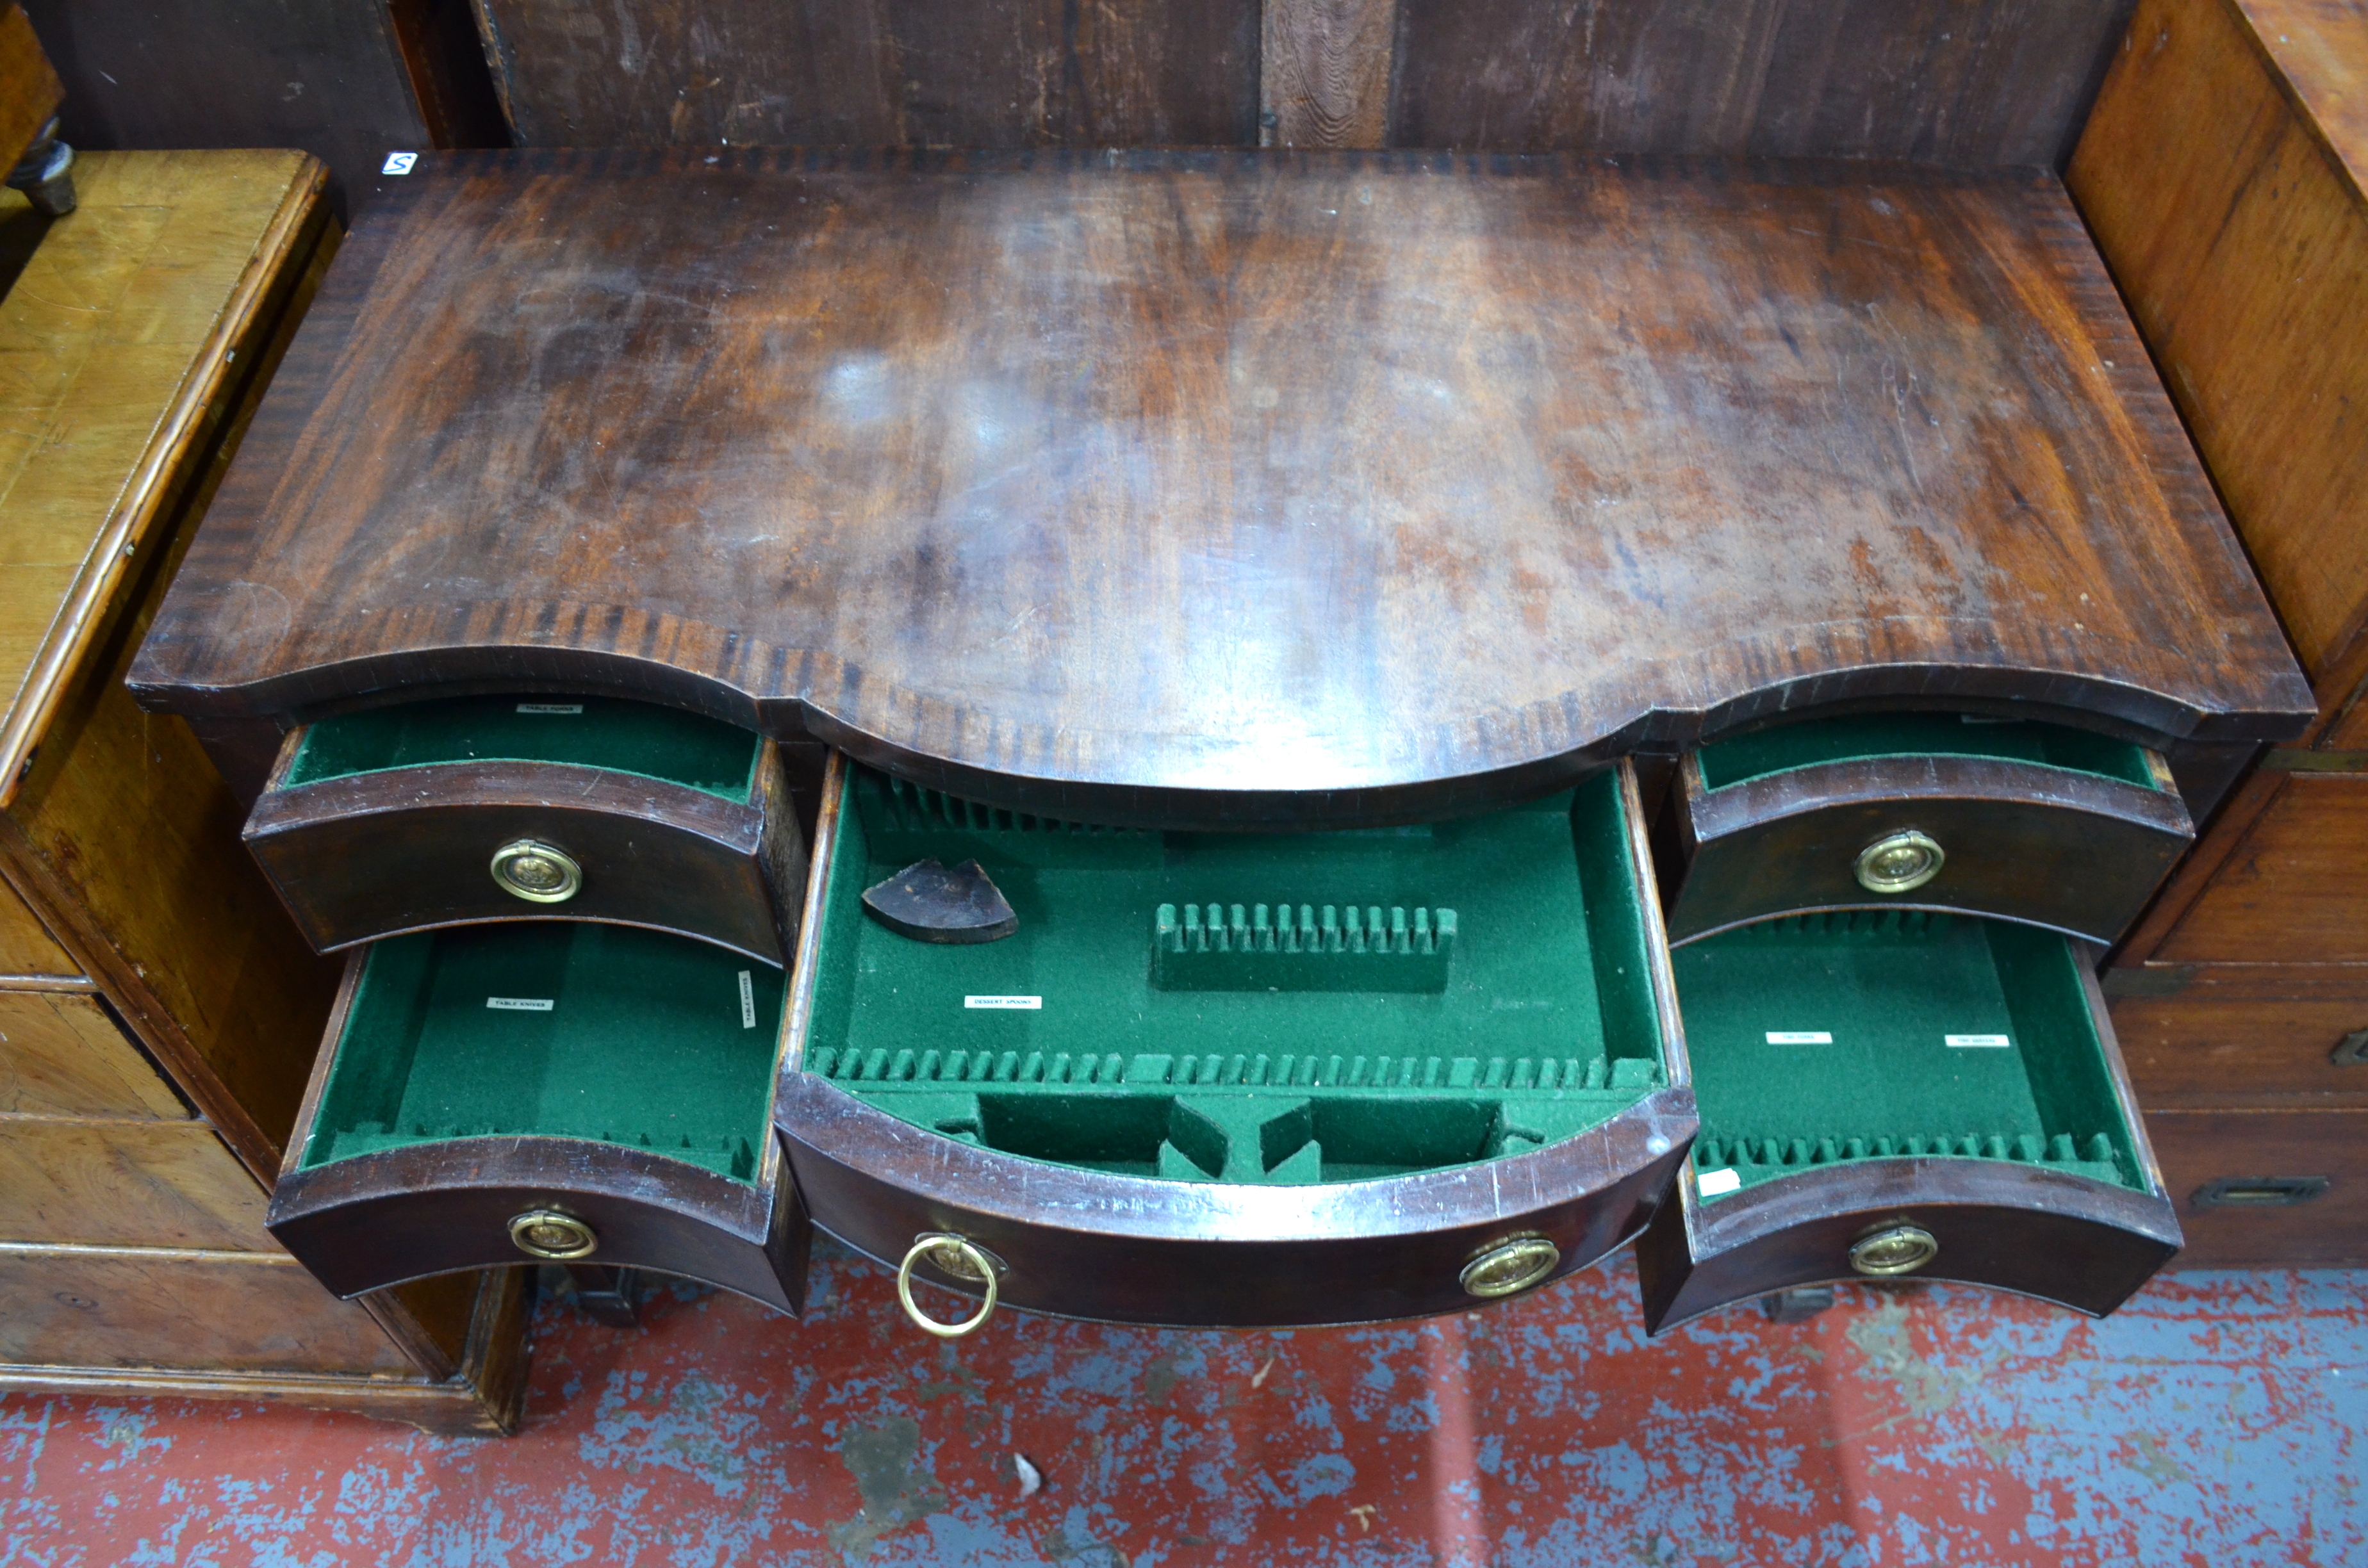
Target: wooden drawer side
{"points": [[61, 1054], [126, 1183]]}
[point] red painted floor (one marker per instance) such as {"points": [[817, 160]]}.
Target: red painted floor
{"points": [[2220, 1418]]}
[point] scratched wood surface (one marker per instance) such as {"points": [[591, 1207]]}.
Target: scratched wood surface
{"points": [[1223, 487], [925, 72]]}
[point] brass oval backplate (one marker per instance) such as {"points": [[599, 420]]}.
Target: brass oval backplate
{"points": [[536, 873], [1894, 1250], [1899, 862], [547, 1233], [1509, 1266]]}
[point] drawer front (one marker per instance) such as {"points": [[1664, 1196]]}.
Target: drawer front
{"points": [[169, 1184], [1904, 1094], [2295, 889], [2268, 1189], [203, 1311], [1157, 1100], [62, 1055], [2069, 850], [553, 1091], [2199, 1036], [389, 821]]}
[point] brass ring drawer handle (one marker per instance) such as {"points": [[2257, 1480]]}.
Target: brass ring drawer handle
{"points": [[547, 1233], [1894, 1250], [961, 1257], [1508, 1267], [536, 873], [1899, 862]]}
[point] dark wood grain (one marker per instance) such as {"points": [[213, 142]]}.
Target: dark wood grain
{"points": [[2201, 1147], [920, 72], [2292, 888], [1972, 85], [1227, 488], [2233, 1036], [2063, 1238], [374, 854], [2072, 851]]}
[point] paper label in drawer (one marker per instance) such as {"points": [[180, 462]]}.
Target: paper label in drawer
{"points": [[1006, 1004], [1717, 1184], [747, 1002], [1799, 1037], [551, 708], [519, 1004], [1979, 1041]]}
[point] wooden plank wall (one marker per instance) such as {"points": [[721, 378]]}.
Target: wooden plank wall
{"points": [[1960, 83]]}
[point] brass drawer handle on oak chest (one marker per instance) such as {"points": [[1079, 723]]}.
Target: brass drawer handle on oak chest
{"points": [[1893, 1251], [556, 1238], [1898, 863], [960, 1257], [539, 873]]}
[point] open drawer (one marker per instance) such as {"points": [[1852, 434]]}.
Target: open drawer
{"points": [[443, 812], [2034, 822], [545, 1090], [1901, 1094], [1240, 1078]]}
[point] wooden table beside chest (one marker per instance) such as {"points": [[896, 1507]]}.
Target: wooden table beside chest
{"points": [[157, 1009], [1301, 584]]}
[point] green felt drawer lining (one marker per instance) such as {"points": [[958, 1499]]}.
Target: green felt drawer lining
{"points": [[1503, 1001], [1850, 737], [642, 738], [1890, 987], [646, 1044]]}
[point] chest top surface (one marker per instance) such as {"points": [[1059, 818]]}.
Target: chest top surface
{"points": [[1294, 487]]}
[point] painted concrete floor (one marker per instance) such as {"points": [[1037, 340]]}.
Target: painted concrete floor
{"points": [[2220, 1418]]}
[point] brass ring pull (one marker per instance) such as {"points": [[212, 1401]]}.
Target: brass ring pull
{"points": [[956, 1255], [539, 873], [1894, 1251], [1899, 862], [547, 1233]]}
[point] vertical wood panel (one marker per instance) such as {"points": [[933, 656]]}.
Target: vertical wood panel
{"points": [[1326, 65], [927, 73], [1966, 82], [2241, 242]]}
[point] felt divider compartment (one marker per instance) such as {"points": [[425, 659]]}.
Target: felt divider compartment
{"points": [[623, 1076], [1858, 1069], [2037, 822], [384, 822], [1078, 1058]]}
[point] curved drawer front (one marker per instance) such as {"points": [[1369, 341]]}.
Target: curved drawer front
{"points": [[545, 1091], [1904, 1094], [2022, 821], [497, 809], [1157, 1098]]}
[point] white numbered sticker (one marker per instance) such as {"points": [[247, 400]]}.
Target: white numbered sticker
{"points": [[519, 1004], [1979, 1041], [1799, 1037], [747, 1002], [398, 162], [551, 708], [1006, 1004], [1717, 1184]]}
